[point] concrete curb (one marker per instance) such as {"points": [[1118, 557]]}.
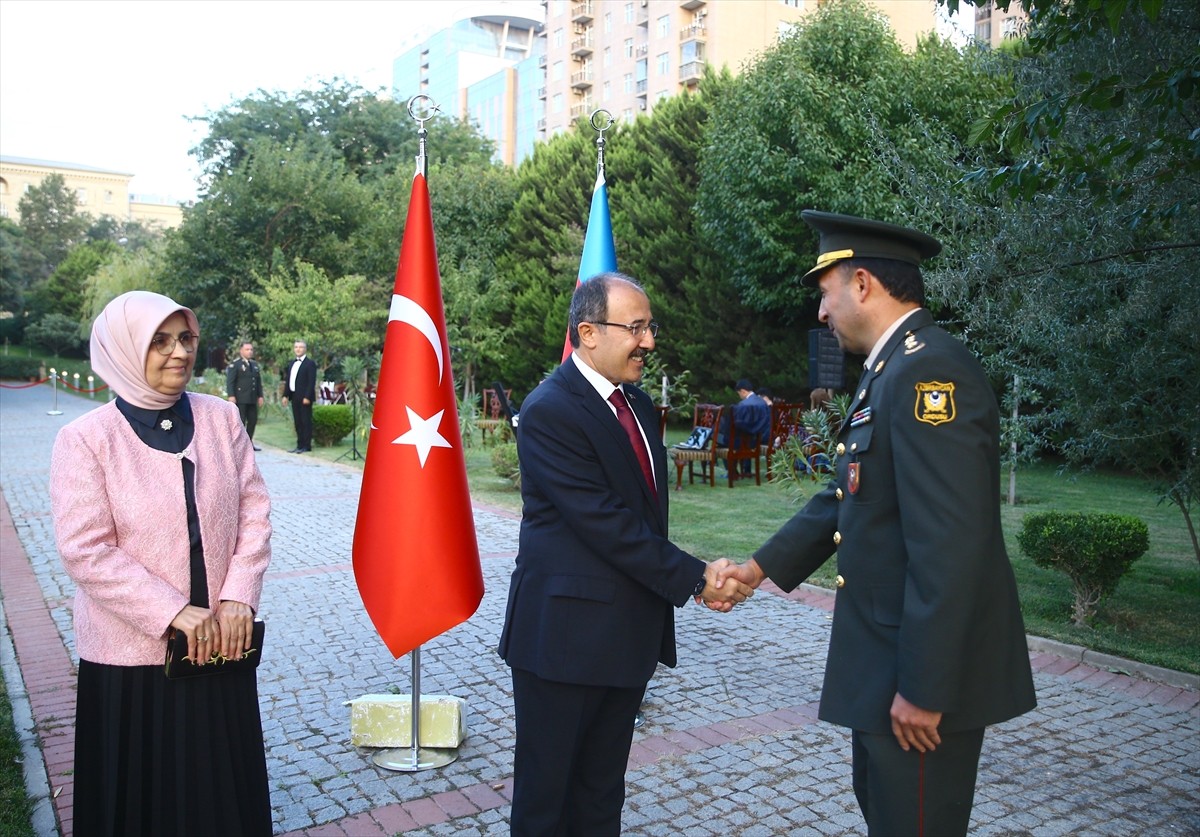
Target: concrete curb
{"points": [[37, 783]]}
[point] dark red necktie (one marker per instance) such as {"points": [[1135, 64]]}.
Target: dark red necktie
{"points": [[630, 425]]}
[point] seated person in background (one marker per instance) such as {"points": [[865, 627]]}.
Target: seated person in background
{"points": [[818, 398], [753, 418]]}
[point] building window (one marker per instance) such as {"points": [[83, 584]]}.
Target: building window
{"points": [[627, 114], [629, 13], [664, 63], [557, 103], [608, 21], [558, 7], [664, 26], [108, 196], [81, 197], [662, 94], [795, 4], [556, 72], [560, 37], [628, 82], [608, 56], [607, 90], [629, 47]]}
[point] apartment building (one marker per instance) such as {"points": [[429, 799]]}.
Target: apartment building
{"points": [[993, 26], [484, 67], [97, 191], [625, 55]]}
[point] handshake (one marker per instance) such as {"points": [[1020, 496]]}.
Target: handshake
{"points": [[728, 584]]}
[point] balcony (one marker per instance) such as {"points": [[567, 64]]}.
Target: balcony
{"points": [[582, 45], [641, 50], [582, 108], [582, 12], [691, 72], [542, 62], [695, 32], [643, 16], [581, 80], [541, 92], [641, 88], [541, 124], [691, 4]]}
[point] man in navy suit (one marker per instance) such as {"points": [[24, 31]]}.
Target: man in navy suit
{"points": [[590, 606], [300, 388]]}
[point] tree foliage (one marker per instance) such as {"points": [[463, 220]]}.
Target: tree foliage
{"points": [[336, 317], [802, 129], [49, 218], [1085, 286]]}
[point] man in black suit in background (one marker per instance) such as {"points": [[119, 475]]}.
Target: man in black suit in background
{"points": [[243, 386], [300, 388], [590, 606], [927, 646]]}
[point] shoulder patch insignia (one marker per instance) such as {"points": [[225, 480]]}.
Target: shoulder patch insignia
{"points": [[912, 344], [935, 402]]}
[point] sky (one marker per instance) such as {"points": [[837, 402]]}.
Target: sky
{"points": [[110, 83]]}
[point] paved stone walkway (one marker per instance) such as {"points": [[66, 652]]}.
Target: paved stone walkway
{"points": [[731, 744]]}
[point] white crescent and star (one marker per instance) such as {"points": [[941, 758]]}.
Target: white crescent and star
{"points": [[422, 433]]}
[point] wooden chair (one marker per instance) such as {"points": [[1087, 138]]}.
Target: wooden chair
{"points": [[740, 447], [785, 423], [706, 415], [662, 422], [492, 417]]}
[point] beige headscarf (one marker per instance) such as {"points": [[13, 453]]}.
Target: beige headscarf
{"points": [[121, 338]]}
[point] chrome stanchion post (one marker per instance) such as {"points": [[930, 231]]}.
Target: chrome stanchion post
{"points": [[92, 387], [55, 411]]}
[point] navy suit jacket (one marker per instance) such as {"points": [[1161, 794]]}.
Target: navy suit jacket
{"points": [[596, 579]]}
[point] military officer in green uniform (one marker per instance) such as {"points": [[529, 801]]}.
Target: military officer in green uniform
{"points": [[927, 646], [243, 386]]}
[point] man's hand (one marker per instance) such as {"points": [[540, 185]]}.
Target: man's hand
{"points": [[914, 726], [232, 399], [750, 574], [720, 594]]}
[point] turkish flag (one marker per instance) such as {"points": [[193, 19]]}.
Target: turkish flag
{"points": [[416, 560]]}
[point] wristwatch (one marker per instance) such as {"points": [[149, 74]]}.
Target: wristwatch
{"points": [[700, 585]]}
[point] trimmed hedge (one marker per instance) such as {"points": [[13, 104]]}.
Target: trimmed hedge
{"points": [[331, 423], [1093, 550], [20, 368]]}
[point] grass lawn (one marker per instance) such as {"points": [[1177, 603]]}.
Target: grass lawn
{"points": [[1153, 617], [15, 807]]}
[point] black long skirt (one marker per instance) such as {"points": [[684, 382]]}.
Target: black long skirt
{"points": [[161, 757]]}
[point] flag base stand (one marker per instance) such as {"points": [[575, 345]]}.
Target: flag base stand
{"points": [[407, 760]]}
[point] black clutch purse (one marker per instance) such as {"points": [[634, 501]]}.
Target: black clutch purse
{"points": [[179, 665]]}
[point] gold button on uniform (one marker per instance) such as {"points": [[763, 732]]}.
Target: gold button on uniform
{"points": [[841, 582], [837, 538], [839, 494], [841, 449]]}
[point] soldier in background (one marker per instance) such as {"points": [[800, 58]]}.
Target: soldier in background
{"points": [[243, 384]]}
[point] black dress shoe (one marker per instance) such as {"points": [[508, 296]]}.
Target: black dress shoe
{"points": [[294, 450], [303, 450], [256, 447]]}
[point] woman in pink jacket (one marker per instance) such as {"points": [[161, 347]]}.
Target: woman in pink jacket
{"points": [[162, 521]]}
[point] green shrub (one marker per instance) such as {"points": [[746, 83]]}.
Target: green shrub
{"points": [[1093, 550], [505, 462], [20, 368], [331, 423]]}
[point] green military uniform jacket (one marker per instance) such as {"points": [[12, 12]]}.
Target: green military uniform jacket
{"points": [[926, 601], [243, 381]]}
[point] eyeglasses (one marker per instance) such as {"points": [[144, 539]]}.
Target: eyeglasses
{"points": [[164, 344], [636, 329]]}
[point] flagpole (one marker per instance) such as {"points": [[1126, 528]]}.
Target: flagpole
{"points": [[421, 108]]}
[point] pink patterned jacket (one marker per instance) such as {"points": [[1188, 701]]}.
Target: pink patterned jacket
{"points": [[121, 526]]}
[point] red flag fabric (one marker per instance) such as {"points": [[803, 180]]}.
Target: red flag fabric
{"points": [[416, 559]]}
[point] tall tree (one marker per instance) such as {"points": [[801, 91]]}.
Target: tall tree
{"points": [[1075, 249], [335, 316], [49, 218], [800, 130]]}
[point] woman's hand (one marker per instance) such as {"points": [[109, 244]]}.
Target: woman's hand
{"points": [[200, 626], [236, 628]]}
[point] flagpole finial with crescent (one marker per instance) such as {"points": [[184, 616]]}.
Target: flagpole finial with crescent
{"points": [[601, 120], [422, 108]]}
